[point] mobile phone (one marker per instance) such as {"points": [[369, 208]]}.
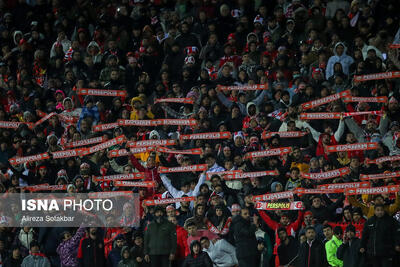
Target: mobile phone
{"points": [[384, 55]]}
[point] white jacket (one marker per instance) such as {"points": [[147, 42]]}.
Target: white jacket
{"points": [[222, 253]]}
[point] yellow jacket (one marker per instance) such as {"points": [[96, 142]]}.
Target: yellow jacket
{"points": [[369, 210]]}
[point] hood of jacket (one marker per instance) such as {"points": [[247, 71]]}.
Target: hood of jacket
{"points": [[344, 51], [92, 43], [248, 106], [15, 35], [124, 248]]}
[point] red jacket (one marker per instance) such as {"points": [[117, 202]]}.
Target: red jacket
{"points": [[151, 174], [182, 249], [291, 229]]}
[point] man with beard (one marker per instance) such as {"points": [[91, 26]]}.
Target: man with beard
{"points": [[312, 252], [91, 250], [288, 249], [160, 240]]}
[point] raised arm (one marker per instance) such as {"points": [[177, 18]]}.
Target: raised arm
{"points": [[355, 129], [136, 163], [271, 223], [224, 100], [383, 125], [174, 192], [340, 130], [201, 181], [315, 134]]}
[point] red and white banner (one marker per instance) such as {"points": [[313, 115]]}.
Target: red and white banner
{"points": [[377, 76], [112, 142], [268, 153], [22, 160], [174, 100], [178, 122], [11, 124], [295, 205], [45, 118], [138, 123], [244, 87], [193, 151], [101, 92], [290, 134], [45, 187], [86, 142], [325, 100], [105, 127], [320, 116], [340, 187], [165, 201], [394, 46], [190, 168], [373, 191], [245, 175], [134, 184], [68, 153], [214, 135], [379, 99], [326, 175], [110, 194], [122, 152], [273, 196], [383, 159], [309, 191], [379, 176], [121, 177], [353, 147], [210, 174], [335, 115], [145, 143]]}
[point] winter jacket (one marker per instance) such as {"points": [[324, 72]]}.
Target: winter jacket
{"points": [[331, 248], [11, 262], [37, 260], [349, 253], [245, 238], [200, 260], [160, 238], [287, 253], [222, 253], [151, 174], [129, 262], [91, 253], [312, 256], [114, 257], [67, 249], [344, 59], [380, 235]]}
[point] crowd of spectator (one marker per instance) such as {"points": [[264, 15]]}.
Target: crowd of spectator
{"points": [[202, 50]]}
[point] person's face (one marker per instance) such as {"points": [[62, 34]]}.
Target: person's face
{"points": [[310, 234], [192, 230], [354, 163], [210, 161], [296, 153], [316, 202], [150, 162], [339, 50], [291, 126], [120, 243], [185, 188], [350, 138], [200, 210], [245, 214], [16, 253], [282, 235], [284, 220], [196, 249], [379, 201], [328, 233], [170, 212], [347, 214], [218, 212], [79, 183], [379, 212], [350, 235], [35, 249], [173, 220], [356, 216], [205, 244], [138, 241], [158, 214]]}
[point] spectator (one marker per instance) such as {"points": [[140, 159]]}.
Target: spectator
{"points": [[67, 249], [332, 245], [91, 250], [160, 241], [312, 252], [126, 259], [197, 257], [220, 251], [378, 238], [35, 258], [349, 251], [15, 259]]}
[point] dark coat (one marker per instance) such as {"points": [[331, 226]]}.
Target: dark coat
{"points": [[245, 238], [91, 253], [202, 260], [160, 238], [380, 235], [349, 253], [317, 257], [287, 253]]}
